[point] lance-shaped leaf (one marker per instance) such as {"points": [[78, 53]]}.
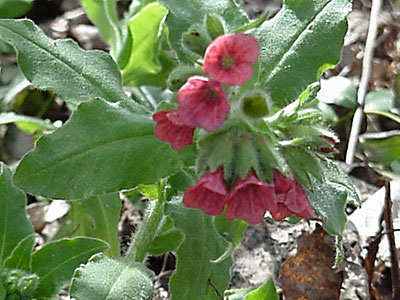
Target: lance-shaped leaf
{"points": [[21, 256], [14, 225], [181, 17], [103, 148], [56, 261], [201, 246], [299, 43], [146, 31], [96, 217], [103, 13], [103, 278], [60, 65]]}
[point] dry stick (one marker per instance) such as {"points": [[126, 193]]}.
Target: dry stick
{"points": [[365, 75], [392, 244]]}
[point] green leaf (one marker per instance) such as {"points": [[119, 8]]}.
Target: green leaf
{"points": [[381, 147], [103, 278], [330, 198], [181, 17], [56, 261], [338, 90], [146, 31], [202, 244], [298, 44], [14, 225], [96, 217], [2, 292], [60, 65], [168, 239], [99, 142], [103, 13], [267, 291], [26, 123], [382, 100], [14, 8], [21, 256]]}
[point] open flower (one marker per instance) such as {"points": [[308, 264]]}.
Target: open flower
{"points": [[208, 194], [249, 199], [169, 128], [291, 198], [202, 102], [229, 58]]}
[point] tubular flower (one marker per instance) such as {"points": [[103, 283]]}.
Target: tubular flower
{"points": [[208, 194], [169, 128], [291, 198], [249, 199], [229, 58], [202, 102]]}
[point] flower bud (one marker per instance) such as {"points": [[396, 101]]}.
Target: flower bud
{"points": [[196, 40], [254, 104]]}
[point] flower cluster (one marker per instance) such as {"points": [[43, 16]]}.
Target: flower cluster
{"points": [[249, 199], [202, 101]]}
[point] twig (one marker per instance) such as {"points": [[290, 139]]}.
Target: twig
{"points": [[392, 244], [365, 75]]}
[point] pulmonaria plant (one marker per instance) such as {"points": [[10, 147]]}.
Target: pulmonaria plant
{"points": [[202, 102]]}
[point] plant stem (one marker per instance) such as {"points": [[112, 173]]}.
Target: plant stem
{"points": [[138, 249], [363, 87], [392, 244]]}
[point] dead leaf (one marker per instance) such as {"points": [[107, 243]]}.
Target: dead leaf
{"points": [[309, 274]]}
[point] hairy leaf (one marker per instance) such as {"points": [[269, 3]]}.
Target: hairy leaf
{"points": [[103, 278], [101, 141], [304, 39], [60, 65]]}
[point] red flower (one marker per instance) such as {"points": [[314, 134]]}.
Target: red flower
{"points": [[208, 194], [202, 102], [291, 198], [169, 128], [230, 58], [249, 199]]}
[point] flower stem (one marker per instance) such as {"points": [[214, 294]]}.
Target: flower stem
{"points": [[138, 249]]}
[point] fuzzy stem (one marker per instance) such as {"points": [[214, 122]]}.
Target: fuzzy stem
{"points": [[138, 249]]}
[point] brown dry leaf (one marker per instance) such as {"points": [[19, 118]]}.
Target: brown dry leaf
{"points": [[309, 274]]}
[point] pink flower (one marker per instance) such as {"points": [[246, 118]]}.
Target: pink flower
{"points": [[249, 199], [208, 194], [328, 149], [169, 128], [202, 102], [230, 58], [291, 198]]}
